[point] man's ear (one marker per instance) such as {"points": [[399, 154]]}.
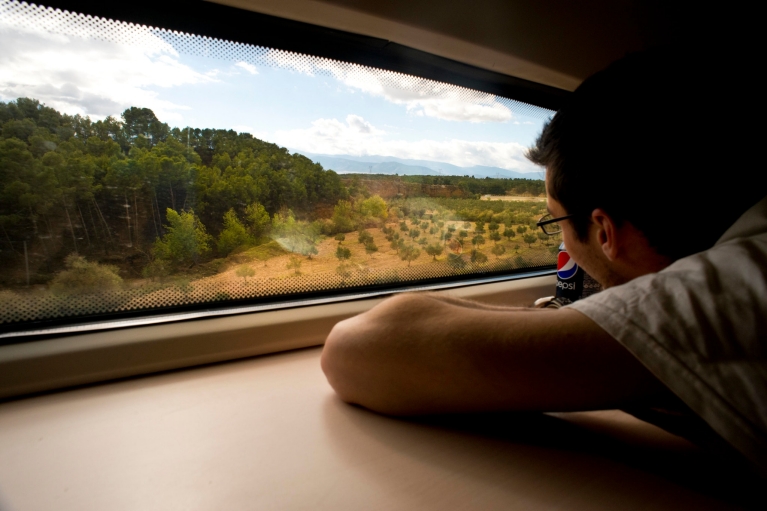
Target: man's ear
{"points": [[607, 233]]}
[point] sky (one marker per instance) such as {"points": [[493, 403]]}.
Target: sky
{"points": [[305, 104]]}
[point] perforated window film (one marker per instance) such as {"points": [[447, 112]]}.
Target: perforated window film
{"points": [[143, 170]]}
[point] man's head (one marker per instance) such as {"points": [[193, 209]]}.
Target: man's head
{"points": [[657, 142]]}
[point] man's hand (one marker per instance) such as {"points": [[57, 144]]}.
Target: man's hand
{"points": [[419, 353]]}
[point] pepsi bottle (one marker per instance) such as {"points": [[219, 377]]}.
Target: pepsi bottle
{"points": [[572, 282]]}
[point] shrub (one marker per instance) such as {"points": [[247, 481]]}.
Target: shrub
{"points": [[84, 277], [245, 271]]}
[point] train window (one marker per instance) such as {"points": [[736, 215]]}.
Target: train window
{"points": [[146, 170]]}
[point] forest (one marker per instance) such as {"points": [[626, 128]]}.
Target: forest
{"points": [[469, 185], [131, 204]]}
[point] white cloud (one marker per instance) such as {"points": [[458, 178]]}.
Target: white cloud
{"points": [[89, 76], [420, 96], [359, 138], [241, 128], [250, 68], [360, 125]]}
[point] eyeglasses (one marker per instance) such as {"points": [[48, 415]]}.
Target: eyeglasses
{"points": [[550, 225]]}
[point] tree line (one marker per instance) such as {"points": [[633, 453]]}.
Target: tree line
{"points": [[115, 189], [469, 184]]}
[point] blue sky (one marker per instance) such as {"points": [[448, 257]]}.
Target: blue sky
{"points": [[311, 105]]}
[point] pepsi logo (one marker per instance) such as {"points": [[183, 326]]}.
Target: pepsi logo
{"points": [[566, 267]]}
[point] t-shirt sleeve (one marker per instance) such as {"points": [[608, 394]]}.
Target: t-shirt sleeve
{"points": [[700, 326]]}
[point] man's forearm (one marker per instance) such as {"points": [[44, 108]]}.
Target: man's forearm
{"points": [[462, 302], [420, 354]]}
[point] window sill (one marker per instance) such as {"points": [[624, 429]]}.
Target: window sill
{"points": [[269, 433]]}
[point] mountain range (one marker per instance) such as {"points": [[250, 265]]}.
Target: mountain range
{"points": [[347, 164]]}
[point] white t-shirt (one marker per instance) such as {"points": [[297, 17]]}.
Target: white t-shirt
{"points": [[700, 326]]}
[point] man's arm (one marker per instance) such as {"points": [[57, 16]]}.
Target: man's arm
{"points": [[417, 354]]}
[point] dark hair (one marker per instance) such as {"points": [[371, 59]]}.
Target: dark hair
{"points": [[661, 140]]}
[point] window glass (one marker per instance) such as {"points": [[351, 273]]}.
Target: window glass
{"points": [[142, 169]]}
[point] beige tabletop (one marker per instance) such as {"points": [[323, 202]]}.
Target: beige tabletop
{"points": [[268, 433]]}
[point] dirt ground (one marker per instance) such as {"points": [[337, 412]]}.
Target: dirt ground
{"points": [[385, 258], [513, 198]]}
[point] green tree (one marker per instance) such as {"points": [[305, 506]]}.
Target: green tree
{"points": [[479, 227], [529, 239], [495, 236], [434, 250], [414, 233], [478, 240], [340, 237], [424, 226], [342, 253], [521, 229], [142, 122], [508, 233], [371, 248], [544, 237], [409, 253], [364, 237], [494, 227], [234, 234], [498, 251], [258, 220], [374, 207], [403, 227], [463, 234], [343, 217], [185, 239]]}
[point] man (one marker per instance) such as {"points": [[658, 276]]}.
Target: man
{"points": [[636, 171]]}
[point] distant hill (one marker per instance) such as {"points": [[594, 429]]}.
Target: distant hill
{"points": [[347, 164]]}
